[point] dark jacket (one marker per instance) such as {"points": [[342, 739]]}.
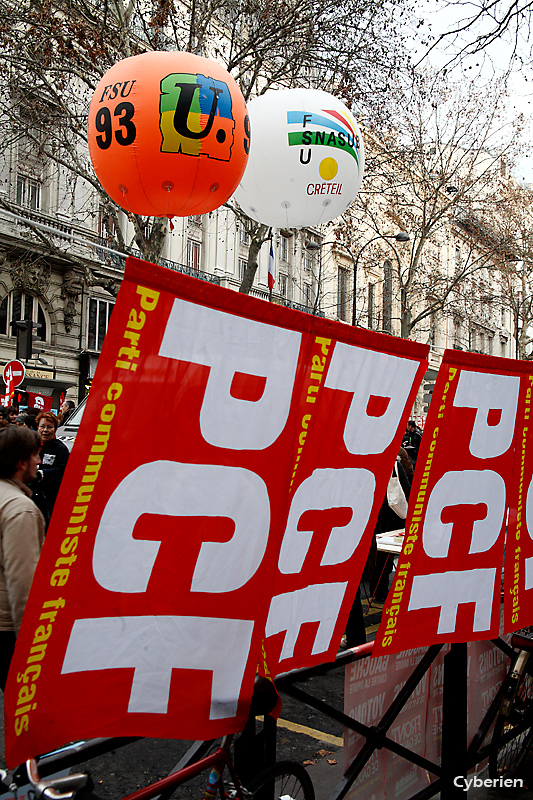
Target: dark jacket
{"points": [[54, 457], [411, 442]]}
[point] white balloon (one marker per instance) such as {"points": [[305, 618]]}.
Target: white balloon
{"points": [[306, 159]]}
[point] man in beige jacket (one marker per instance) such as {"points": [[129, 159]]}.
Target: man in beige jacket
{"points": [[21, 533]]}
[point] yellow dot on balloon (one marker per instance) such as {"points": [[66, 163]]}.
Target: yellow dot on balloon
{"points": [[328, 168]]}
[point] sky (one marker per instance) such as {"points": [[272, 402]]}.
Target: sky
{"points": [[441, 17]]}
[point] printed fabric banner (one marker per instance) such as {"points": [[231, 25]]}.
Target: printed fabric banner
{"points": [[518, 584], [40, 401], [351, 418], [447, 585], [244, 505]]}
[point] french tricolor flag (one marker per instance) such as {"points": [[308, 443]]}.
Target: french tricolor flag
{"points": [[271, 279]]}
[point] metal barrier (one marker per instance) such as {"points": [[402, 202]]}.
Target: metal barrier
{"points": [[456, 757]]}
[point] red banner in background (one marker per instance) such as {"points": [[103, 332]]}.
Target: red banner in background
{"points": [[40, 401], [447, 584], [158, 574]]}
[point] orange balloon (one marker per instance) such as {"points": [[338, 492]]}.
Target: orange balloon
{"points": [[168, 134]]}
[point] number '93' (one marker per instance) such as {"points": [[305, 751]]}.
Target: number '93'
{"points": [[126, 131]]}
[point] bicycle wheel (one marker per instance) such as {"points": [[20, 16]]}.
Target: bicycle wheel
{"points": [[513, 735], [286, 780]]}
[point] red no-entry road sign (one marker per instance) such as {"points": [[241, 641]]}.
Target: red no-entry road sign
{"points": [[14, 370]]}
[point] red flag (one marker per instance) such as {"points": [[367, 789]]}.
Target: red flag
{"points": [[10, 387], [40, 401]]}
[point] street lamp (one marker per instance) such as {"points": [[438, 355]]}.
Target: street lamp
{"points": [[401, 236], [314, 246]]}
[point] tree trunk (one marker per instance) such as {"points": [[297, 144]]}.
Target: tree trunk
{"points": [[405, 313], [259, 236]]}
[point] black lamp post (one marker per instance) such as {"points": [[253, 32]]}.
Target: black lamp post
{"points": [[401, 236]]}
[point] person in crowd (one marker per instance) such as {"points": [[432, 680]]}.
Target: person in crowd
{"points": [[12, 413], [379, 566], [33, 412], [388, 520], [406, 463], [65, 412], [21, 533], [4, 423], [411, 440], [28, 420], [54, 457]]}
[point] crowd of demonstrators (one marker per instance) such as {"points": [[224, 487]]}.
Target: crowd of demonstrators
{"points": [[22, 529], [54, 456]]}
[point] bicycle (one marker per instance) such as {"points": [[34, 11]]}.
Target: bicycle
{"points": [[513, 732], [285, 779]]}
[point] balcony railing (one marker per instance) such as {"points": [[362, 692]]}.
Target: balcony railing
{"points": [[97, 246]]}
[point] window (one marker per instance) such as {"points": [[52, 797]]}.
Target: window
{"points": [[106, 224], [242, 267], [22, 305], [196, 219], [28, 192], [458, 257], [308, 262], [30, 139], [432, 329], [244, 236], [282, 284], [308, 295], [370, 305], [387, 297], [99, 316], [193, 254], [458, 334], [342, 294], [283, 248]]}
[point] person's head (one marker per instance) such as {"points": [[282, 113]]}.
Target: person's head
{"points": [[19, 453], [68, 405], [27, 420], [46, 426], [12, 413], [411, 425]]}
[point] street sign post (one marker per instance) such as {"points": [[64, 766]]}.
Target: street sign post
{"points": [[14, 371]]}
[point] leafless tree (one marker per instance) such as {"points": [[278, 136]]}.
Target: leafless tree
{"points": [[511, 224], [54, 52], [437, 169]]}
